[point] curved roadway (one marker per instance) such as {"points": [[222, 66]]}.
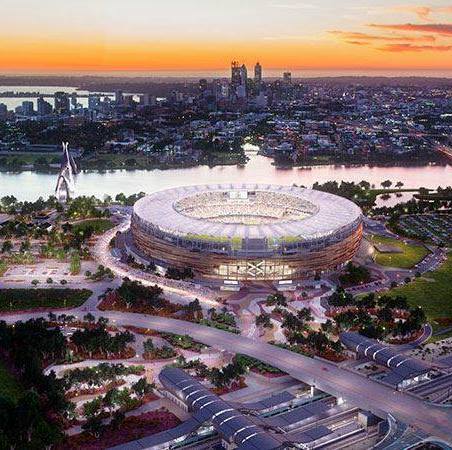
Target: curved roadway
{"points": [[358, 390]]}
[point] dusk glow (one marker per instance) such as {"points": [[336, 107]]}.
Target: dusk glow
{"points": [[205, 35]]}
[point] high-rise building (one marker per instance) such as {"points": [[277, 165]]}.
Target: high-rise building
{"points": [[27, 108], [243, 75], [62, 105], [235, 74], [239, 77], [258, 74], [203, 85], [287, 78], [74, 100], [44, 108], [119, 98], [93, 102], [3, 111], [147, 100]]}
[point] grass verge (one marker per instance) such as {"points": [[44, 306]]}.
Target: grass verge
{"points": [[23, 299], [9, 387], [433, 293]]}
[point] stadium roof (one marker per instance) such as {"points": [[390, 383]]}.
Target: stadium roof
{"points": [[333, 213]]}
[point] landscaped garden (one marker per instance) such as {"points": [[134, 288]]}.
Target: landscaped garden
{"points": [[97, 226], [22, 299], [393, 252]]}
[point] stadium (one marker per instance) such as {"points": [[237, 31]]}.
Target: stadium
{"points": [[246, 231]]}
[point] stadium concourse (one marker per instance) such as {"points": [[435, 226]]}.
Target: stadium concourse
{"points": [[246, 232]]}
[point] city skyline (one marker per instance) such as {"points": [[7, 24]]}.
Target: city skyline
{"points": [[197, 35]]}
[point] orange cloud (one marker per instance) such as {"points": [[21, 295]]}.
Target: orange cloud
{"points": [[415, 48], [350, 35], [357, 42], [444, 29], [424, 12]]}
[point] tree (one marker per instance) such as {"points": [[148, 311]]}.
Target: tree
{"points": [[110, 399], [117, 420], [194, 309], [89, 318], [386, 184], [277, 299], [328, 326], [93, 426], [148, 345], [142, 387], [92, 408], [263, 320], [355, 275], [304, 315], [399, 184], [25, 246], [7, 246], [34, 282], [341, 298]]}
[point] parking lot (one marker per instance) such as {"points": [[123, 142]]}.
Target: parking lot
{"points": [[436, 228]]}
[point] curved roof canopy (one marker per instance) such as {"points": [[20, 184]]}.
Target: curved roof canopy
{"points": [[332, 213]]}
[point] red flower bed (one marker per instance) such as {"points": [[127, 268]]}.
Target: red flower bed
{"points": [[94, 391], [406, 340], [143, 331], [129, 352], [267, 374], [113, 302], [235, 386], [134, 427]]}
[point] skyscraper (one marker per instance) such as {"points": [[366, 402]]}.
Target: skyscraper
{"points": [[243, 75], [239, 78], [43, 107], [258, 74], [235, 74], [287, 78], [27, 108], [62, 105], [119, 98], [3, 111]]}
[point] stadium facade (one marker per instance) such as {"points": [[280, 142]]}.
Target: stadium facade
{"points": [[247, 231]]}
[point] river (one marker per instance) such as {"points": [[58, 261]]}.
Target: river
{"points": [[31, 185]]}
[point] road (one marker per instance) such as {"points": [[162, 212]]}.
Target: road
{"points": [[358, 390], [102, 254]]}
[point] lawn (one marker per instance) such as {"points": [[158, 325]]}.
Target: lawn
{"points": [[410, 254], [21, 299], [9, 387], [432, 292], [99, 226]]}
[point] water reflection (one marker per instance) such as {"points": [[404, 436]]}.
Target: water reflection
{"points": [[30, 185]]}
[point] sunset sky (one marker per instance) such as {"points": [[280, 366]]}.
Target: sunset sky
{"points": [[65, 35]]}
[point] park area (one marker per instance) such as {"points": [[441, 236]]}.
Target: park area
{"points": [[391, 252], [23, 299], [432, 292]]}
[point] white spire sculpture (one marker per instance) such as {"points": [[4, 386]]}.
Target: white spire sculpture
{"points": [[65, 186]]}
